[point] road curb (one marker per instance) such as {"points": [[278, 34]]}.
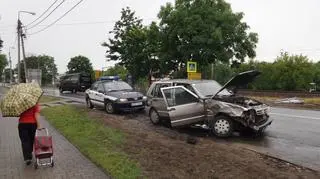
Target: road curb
{"points": [[267, 154], [82, 101]]}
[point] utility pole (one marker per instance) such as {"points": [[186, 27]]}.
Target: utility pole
{"points": [[19, 32], [24, 58], [19, 28], [10, 63]]}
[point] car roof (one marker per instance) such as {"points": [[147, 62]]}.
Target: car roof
{"points": [[184, 81]]}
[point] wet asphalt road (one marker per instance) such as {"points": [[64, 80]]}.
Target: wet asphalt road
{"points": [[294, 135]]}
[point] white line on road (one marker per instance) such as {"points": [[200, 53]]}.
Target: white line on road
{"points": [[288, 115]]}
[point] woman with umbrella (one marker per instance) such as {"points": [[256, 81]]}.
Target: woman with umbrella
{"points": [[22, 101]]}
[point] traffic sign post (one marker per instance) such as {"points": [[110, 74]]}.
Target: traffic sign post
{"points": [[191, 67], [192, 71]]}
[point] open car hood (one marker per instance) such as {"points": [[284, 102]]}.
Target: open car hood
{"points": [[241, 79]]}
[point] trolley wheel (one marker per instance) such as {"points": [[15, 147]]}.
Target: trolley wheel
{"points": [[35, 166]]}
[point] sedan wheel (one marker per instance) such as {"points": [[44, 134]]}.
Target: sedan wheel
{"points": [[154, 116], [109, 107], [222, 126]]}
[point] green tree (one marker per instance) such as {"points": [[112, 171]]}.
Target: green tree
{"points": [[222, 72], [80, 64], [133, 45], [293, 72], [316, 73], [1, 44], [7, 74], [43, 62], [3, 63], [117, 70], [205, 31], [287, 72]]}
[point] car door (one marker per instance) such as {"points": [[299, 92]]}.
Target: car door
{"points": [[92, 93], [183, 106], [100, 95], [157, 101]]}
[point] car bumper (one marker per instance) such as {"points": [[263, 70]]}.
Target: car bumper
{"points": [[262, 126], [127, 107]]}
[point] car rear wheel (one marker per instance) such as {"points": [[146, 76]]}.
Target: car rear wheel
{"points": [[109, 107], [154, 116], [89, 104], [222, 126]]}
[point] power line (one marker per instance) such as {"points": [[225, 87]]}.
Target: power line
{"points": [[57, 19], [43, 13], [47, 15], [79, 23]]}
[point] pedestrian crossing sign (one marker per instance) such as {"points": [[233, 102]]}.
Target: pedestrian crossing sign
{"points": [[191, 67]]}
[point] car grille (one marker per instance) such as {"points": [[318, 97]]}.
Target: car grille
{"points": [[135, 99]]}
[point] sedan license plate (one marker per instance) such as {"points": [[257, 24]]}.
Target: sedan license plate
{"points": [[136, 104]]}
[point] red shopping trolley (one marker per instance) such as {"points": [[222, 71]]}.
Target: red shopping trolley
{"points": [[43, 150]]}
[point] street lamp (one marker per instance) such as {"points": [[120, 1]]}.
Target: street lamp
{"points": [[27, 12], [10, 63], [19, 29]]}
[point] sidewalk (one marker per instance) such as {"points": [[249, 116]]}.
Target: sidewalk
{"points": [[69, 162]]}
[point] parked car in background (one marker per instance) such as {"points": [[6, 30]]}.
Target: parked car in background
{"points": [[206, 102], [75, 82], [114, 96]]}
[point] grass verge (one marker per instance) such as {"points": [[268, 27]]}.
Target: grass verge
{"points": [[100, 143], [48, 99]]}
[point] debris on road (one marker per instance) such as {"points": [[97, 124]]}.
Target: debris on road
{"points": [[294, 100]]}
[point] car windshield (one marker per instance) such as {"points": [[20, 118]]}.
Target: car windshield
{"points": [[117, 86], [208, 89]]}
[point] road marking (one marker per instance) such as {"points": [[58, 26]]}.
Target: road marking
{"points": [[288, 115]]}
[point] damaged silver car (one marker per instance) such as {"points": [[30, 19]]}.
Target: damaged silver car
{"points": [[206, 102]]}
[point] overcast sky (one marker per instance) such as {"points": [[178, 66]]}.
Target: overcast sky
{"points": [[288, 25]]}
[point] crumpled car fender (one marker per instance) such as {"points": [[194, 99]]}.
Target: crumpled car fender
{"points": [[232, 110]]}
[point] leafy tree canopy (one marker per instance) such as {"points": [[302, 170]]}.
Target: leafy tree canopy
{"points": [[117, 70], [45, 63], [1, 44], [205, 31], [80, 64], [3, 63]]}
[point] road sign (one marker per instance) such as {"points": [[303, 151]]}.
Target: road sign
{"points": [[194, 76], [191, 67], [97, 73], [35, 75]]}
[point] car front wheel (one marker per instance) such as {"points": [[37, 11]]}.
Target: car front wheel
{"points": [[222, 126], [154, 116], [109, 107]]}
